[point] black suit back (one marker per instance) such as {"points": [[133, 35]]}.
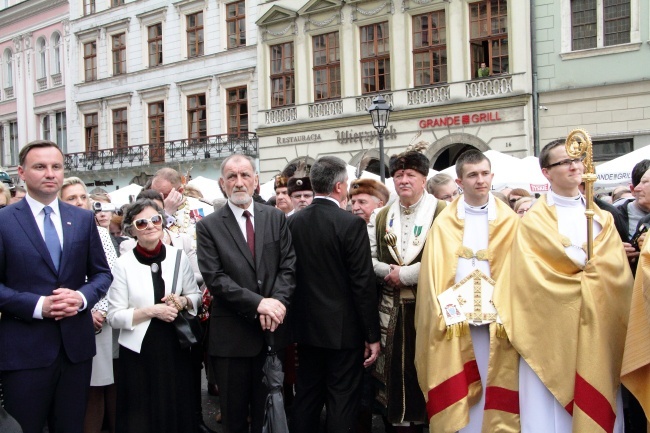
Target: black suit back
{"points": [[335, 302]]}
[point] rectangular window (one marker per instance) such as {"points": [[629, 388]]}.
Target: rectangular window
{"points": [[120, 129], [46, 127], [90, 61], [89, 7], [156, 119], [91, 129], [195, 35], [119, 54], [13, 142], [605, 150], [430, 48], [154, 41], [375, 58], [197, 116], [238, 110], [236, 22], [488, 20], [115, 3], [327, 66], [61, 131], [282, 75], [616, 14], [583, 24]]}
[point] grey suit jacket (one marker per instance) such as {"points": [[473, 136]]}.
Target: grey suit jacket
{"points": [[238, 283]]}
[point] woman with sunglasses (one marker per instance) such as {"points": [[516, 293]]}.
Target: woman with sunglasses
{"points": [[154, 390], [101, 397]]}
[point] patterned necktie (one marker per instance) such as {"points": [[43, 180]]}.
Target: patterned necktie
{"points": [[250, 232], [51, 237]]}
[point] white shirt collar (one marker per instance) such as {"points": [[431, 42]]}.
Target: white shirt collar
{"points": [[239, 212], [553, 198], [37, 206], [333, 200]]}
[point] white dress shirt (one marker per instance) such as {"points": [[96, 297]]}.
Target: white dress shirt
{"points": [[37, 209], [239, 216]]}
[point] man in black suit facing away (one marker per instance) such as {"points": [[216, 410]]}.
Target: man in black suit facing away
{"points": [[335, 304], [248, 264]]}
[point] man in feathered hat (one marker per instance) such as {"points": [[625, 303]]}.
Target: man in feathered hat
{"points": [[466, 367], [397, 237], [366, 195]]}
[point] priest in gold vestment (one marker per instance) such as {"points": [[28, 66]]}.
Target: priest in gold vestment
{"points": [[467, 370], [566, 316], [635, 374]]}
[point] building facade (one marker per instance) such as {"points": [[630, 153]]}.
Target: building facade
{"points": [[592, 59], [34, 42], [159, 83], [321, 63]]}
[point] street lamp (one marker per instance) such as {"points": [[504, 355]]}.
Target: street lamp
{"points": [[380, 112]]}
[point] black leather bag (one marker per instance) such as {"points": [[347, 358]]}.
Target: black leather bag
{"points": [[188, 326]]}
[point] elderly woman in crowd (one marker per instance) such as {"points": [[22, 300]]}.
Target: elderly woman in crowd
{"points": [[5, 195], [154, 391], [102, 390]]}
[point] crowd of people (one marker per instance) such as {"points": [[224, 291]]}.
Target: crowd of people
{"points": [[443, 305]]}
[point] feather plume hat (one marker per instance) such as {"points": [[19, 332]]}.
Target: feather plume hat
{"points": [[412, 158]]}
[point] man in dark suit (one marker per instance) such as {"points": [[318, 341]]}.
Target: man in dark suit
{"points": [[335, 304], [248, 264], [52, 270]]}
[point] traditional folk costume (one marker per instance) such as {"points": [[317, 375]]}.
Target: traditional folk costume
{"points": [[398, 391], [468, 376], [567, 317], [186, 216], [635, 373]]}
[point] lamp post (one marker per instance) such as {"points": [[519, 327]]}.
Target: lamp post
{"points": [[380, 112]]}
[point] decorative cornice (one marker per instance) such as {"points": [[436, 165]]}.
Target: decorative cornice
{"points": [[397, 115], [27, 9]]}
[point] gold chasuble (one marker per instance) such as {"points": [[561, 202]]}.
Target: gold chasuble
{"points": [[635, 374], [568, 323], [446, 364]]}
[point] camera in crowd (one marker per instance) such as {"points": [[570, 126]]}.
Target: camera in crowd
{"points": [[106, 207]]}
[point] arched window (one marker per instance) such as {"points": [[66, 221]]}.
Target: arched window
{"points": [[56, 53], [8, 69], [41, 63]]}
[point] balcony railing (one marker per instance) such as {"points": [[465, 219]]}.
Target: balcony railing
{"points": [[9, 92], [56, 79], [428, 95], [498, 85], [213, 146], [363, 102]]}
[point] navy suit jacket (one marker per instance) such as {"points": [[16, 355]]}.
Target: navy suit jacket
{"points": [[27, 273]]}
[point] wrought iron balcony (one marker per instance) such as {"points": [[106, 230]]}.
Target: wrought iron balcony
{"points": [[188, 149]]}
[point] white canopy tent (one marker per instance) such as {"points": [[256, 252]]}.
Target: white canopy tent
{"points": [[512, 172], [208, 187], [618, 171], [121, 196]]}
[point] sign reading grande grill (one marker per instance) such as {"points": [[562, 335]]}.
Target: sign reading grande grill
{"points": [[460, 119]]}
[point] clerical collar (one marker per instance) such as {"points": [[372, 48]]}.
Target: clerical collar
{"points": [[411, 209], [490, 208], [554, 199]]}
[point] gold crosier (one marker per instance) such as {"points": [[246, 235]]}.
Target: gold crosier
{"points": [[578, 142]]}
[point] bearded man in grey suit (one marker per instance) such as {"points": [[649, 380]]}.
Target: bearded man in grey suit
{"points": [[248, 264]]}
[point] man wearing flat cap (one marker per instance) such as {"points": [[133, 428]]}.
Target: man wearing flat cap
{"points": [[397, 237], [300, 192], [366, 195]]}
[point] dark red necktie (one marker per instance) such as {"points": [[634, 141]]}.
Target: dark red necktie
{"points": [[250, 232]]}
